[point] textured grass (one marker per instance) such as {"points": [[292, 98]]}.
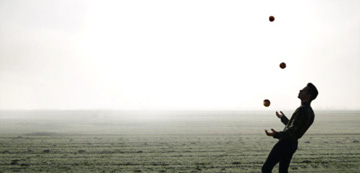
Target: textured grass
{"points": [[200, 142]]}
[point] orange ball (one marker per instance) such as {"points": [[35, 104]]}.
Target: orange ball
{"points": [[282, 65], [271, 18], [266, 102]]}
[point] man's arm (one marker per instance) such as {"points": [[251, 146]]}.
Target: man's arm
{"points": [[283, 118], [298, 122]]}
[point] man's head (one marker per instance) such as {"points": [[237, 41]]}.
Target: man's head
{"points": [[309, 93]]}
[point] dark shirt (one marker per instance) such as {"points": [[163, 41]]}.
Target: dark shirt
{"points": [[298, 124]]}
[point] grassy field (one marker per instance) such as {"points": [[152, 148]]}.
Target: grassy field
{"points": [[197, 141]]}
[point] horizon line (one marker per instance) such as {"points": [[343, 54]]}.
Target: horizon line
{"points": [[245, 110]]}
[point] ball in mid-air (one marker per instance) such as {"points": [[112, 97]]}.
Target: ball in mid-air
{"points": [[271, 18], [282, 65], [266, 102]]}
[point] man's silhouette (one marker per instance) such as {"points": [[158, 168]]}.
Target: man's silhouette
{"points": [[294, 129]]}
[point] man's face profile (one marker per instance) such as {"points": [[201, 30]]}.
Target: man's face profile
{"points": [[303, 94]]}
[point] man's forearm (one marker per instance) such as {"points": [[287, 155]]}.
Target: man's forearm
{"points": [[284, 120]]}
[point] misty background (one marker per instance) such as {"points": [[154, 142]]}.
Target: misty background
{"points": [[178, 55]]}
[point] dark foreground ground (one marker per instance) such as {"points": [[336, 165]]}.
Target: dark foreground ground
{"points": [[87, 141]]}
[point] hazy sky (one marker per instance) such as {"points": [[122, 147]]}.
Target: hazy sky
{"points": [[188, 54]]}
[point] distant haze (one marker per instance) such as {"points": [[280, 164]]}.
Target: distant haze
{"points": [[71, 54]]}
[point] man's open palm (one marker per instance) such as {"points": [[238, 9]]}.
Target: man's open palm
{"points": [[272, 133], [280, 115]]}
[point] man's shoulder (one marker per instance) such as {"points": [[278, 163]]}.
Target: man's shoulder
{"points": [[302, 108], [305, 109]]}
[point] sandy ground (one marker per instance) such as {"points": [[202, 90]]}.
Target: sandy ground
{"points": [[213, 141]]}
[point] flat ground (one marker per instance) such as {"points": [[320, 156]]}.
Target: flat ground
{"points": [[197, 141]]}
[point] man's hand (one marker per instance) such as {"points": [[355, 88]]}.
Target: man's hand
{"points": [[270, 133], [280, 115]]}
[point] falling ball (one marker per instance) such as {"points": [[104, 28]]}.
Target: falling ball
{"points": [[271, 18], [266, 102], [282, 65]]}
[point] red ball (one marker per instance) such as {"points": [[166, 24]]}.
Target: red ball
{"points": [[266, 102], [271, 18], [282, 65]]}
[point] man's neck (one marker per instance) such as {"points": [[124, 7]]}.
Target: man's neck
{"points": [[305, 102]]}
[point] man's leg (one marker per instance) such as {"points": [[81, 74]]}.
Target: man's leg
{"points": [[273, 158], [285, 162]]}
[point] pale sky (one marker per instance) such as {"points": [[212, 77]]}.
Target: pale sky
{"points": [[188, 54]]}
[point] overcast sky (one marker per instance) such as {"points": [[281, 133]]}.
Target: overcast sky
{"points": [[188, 54]]}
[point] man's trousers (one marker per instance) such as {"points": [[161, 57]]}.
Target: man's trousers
{"points": [[282, 152]]}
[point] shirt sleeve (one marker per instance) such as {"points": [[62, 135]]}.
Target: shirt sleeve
{"points": [[284, 120], [292, 129]]}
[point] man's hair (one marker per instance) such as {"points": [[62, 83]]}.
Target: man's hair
{"points": [[312, 91]]}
